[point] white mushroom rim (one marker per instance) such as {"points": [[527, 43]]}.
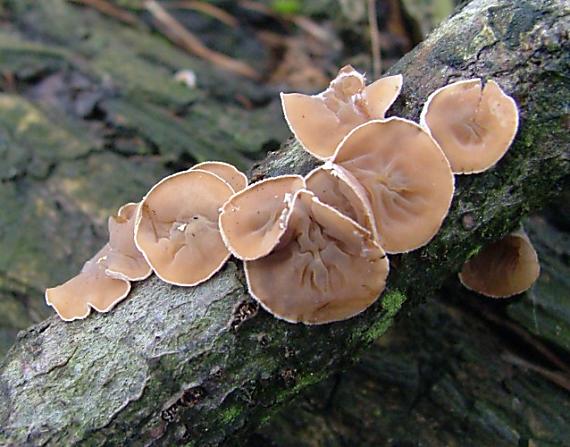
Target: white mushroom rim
{"points": [[213, 167]]}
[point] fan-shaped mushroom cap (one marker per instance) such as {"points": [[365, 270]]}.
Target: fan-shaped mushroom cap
{"points": [[335, 186], [227, 172], [253, 221], [473, 126], [177, 227], [407, 179], [381, 94], [503, 268], [329, 269], [320, 122], [92, 288], [124, 260]]}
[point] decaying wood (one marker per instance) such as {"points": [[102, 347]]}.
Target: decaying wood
{"points": [[204, 365]]}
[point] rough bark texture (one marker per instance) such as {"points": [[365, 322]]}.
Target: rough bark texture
{"points": [[204, 366], [454, 371]]}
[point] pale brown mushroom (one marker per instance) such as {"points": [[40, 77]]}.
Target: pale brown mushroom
{"points": [[253, 221], [177, 227], [407, 179], [473, 126], [503, 268], [91, 288], [335, 186], [320, 122], [228, 173], [327, 268], [124, 260]]}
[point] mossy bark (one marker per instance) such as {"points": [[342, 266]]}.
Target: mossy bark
{"points": [[454, 371], [205, 366]]}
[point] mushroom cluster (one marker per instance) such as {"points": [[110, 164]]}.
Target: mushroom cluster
{"points": [[314, 247]]}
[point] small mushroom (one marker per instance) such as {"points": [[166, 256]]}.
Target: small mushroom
{"points": [[177, 227], [124, 260], [227, 172], [503, 268], [253, 221], [407, 179], [327, 268], [474, 126], [320, 122], [335, 186], [91, 288]]}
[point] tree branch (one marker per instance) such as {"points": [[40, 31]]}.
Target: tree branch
{"points": [[203, 365]]}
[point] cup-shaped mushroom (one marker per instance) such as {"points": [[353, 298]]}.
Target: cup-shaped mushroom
{"points": [[335, 186], [91, 288], [381, 94], [177, 227], [473, 125], [320, 122], [125, 260], [503, 268], [227, 172], [406, 177], [253, 221], [329, 269]]}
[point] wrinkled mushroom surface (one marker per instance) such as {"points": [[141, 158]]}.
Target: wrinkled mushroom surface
{"points": [[503, 268], [406, 177], [473, 125], [335, 186], [125, 260], [91, 288], [320, 122], [327, 268], [227, 172], [253, 221], [177, 227]]}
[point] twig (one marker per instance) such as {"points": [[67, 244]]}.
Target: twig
{"points": [[374, 39], [560, 379], [179, 35], [528, 338], [306, 24], [104, 7], [205, 8]]}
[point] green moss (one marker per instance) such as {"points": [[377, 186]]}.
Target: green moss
{"points": [[377, 329], [392, 302], [229, 415]]}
